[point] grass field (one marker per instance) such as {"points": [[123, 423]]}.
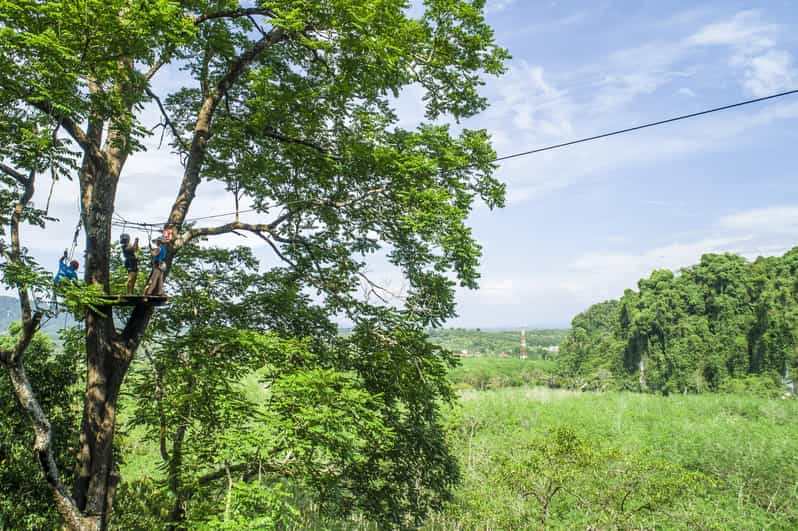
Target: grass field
{"points": [[600, 461], [494, 373], [719, 461]]}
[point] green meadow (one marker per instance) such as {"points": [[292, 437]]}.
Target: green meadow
{"points": [[622, 460], [492, 373], [533, 457]]}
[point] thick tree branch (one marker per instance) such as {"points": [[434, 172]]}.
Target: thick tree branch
{"points": [[271, 133], [75, 131], [162, 423], [277, 251], [155, 67], [94, 127], [135, 327], [246, 468], [117, 143], [42, 446], [10, 357], [222, 472], [44, 106], [255, 23], [20, 177], [16, 246], [13, 361], [257, 228], [242, 63], [202, 126]]}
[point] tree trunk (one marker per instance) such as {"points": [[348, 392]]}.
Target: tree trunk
{"points": [[106, 368], [108, 353], [177, 515]]}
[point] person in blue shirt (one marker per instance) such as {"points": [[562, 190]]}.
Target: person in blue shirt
{"points": [[68, 272], [155, 283]]}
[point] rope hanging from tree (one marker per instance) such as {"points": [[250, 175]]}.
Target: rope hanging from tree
{"points": [[75, 238]]}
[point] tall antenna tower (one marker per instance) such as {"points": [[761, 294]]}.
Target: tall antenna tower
{"points": [[523, 344]]}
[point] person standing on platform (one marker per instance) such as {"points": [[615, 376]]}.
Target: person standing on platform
{"points": [[129, 251], [154, 285]]}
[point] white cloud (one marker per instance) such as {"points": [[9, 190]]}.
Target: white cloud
{"points": [[532, 103], [636, 71], [497, 6], [534, 107], [770, 72], [745, 29], [532, 111], [770, 220], [515, 300], [599, 275], [534, 177], [750, 233], [499, 289], [762, 66], [574, 18], [670, 256]]}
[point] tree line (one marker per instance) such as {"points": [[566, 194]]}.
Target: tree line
{"points": [[493, 343], [699, 329]]}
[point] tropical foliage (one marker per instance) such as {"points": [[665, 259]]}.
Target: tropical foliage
{"points": [[288, 106], [621, 460], [722, 320]]}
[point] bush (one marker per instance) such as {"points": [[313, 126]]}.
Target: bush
{"points": [[765, 386]]}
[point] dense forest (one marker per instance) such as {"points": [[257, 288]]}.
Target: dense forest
{"points": [[723, 322], [9, 312]]}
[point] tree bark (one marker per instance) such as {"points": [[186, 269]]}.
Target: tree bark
{"points": [[178, 514], [108, 353]]}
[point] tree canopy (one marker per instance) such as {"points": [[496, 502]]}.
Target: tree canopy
{"points": [[694, 330], [290, 105]]}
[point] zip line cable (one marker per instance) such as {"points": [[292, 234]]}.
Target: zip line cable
{"points": [[123, 222], [644, 126]]}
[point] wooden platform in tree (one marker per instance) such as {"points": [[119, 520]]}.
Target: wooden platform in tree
{"points": [[135, 300]]}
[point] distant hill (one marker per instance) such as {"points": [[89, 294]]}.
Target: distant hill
{"points": [[9, 312]]}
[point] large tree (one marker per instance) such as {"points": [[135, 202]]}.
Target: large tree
{"points": [[290, 104]]}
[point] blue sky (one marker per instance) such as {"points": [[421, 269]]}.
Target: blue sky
{"points": [[585, 222]]}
